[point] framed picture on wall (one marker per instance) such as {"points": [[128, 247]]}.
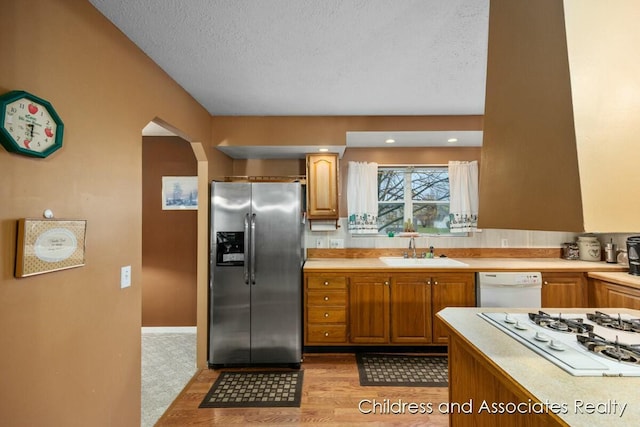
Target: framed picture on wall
{"points": [[46, 245], [179, 193]]}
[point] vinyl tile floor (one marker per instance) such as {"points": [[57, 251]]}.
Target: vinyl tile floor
{"points": [[168, 363]]}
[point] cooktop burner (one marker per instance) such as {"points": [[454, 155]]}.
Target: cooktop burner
{"points": [[625, 353], [575, 343], [603, 319], [559, 323]]}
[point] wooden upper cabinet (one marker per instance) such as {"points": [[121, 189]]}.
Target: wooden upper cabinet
{"points": [[322, 186]]}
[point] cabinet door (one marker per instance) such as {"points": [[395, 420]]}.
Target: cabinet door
{"points": [[322, 186], [410, 309], [611, 295], [369, 309], [450, 290], [564, 290]]}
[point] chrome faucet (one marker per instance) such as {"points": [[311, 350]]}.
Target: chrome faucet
{"points": [[412, 245]]}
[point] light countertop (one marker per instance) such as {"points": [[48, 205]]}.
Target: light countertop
{"points": [[474, 264], [542, 378]]}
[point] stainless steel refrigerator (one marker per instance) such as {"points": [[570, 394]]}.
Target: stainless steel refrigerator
{"points": [[255, 284]]}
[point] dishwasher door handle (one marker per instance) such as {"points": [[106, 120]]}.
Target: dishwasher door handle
{"points": [[513, 285]]}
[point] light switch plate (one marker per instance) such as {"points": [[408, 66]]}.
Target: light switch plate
{"points": [[125, 276]]}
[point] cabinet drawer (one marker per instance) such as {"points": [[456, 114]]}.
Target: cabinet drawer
{"points": [[326, 298], [327, 333], [326, 315], [319, 282]]}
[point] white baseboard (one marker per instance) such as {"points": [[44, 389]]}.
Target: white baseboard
{"points": [[169, 329]]}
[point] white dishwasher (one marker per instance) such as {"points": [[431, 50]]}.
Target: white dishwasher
{"points": [[509, 289]]}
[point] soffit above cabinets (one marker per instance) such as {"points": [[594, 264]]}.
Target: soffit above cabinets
{"points": [[403, 139], [317, 58]]}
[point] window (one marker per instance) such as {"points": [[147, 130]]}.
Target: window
{"points": [[420, 194]]}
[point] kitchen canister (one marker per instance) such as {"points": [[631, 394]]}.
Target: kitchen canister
{"points": [[570, 250], [589, 247]]}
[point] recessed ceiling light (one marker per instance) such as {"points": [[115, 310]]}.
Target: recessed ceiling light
{"points": [[452, 140], [323, 150], [389, 141]]}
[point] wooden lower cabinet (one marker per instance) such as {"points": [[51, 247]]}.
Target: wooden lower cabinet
{"points": [[474, 379], [611, 295], [381, 309], [450, 290], [410, 309], [369, 309], [564, 290], [325, 309]]}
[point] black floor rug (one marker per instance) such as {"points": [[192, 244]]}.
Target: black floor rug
{"points": [[255, 389], [402, 370]]}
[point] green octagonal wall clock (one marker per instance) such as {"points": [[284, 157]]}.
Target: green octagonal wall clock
{"points": [[29, 125]]}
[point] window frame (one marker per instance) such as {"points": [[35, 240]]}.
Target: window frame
{"points": [[408, 202]]}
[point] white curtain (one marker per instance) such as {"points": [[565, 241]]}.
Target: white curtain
{"points": [[362, 197], [463, 196]]}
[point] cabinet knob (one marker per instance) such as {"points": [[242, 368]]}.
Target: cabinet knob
{"points": [[326, 298], [326, 283], [326, 315], [326, 334], [435, 283], [428, 282], [386, 283], [546, 283]]}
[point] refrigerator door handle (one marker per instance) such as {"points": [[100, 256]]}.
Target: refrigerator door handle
{"points": [[246, 249], [253, 250]]}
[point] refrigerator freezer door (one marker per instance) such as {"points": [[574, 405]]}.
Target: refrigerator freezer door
{"points": [[230, 326], [276, 295]]}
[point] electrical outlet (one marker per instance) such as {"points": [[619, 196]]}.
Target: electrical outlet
{"points": [[504, 243], [125, 276], [319, 242], [336, 243]]}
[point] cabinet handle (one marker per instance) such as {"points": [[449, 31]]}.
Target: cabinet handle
{"points": [[326, 298], [428, 282], [326, 315], [326, 334], [546, 283], [326, 283], [386, 283], [435, 283]]}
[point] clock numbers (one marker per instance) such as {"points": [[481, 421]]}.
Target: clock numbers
{"points": [[30, 126]]}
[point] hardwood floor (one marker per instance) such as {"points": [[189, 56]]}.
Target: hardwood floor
{"points": [[331, 396]]}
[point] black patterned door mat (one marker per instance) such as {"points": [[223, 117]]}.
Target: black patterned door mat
{"points": [[402, 370], [255, 389]]}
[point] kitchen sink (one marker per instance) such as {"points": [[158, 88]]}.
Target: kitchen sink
{"points": [[422, 262]]}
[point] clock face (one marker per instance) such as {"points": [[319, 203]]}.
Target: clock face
{"points": [[30, 125]]}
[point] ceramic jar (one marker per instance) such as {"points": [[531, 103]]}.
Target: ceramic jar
{"points": [[589, 247]]}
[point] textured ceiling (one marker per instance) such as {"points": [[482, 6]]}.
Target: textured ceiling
{"points": [[316, 57]]}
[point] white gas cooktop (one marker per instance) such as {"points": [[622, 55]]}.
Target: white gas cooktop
{"points": [[552, 340]]}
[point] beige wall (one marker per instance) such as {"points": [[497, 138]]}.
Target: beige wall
{"points": [[529, 173], [168, 237], [603, 39], [71, 339]]}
